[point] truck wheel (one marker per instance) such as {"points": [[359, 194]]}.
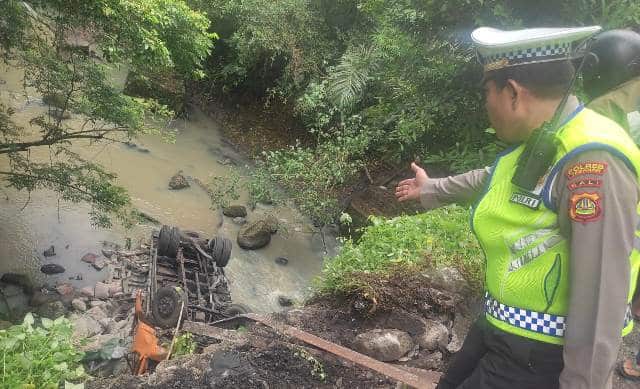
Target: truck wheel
{"points": [[224, 257], [163, 240], [174, 243], [165, 306]]}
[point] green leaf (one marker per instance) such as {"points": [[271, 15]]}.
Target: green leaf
{"points": [[46, 323]]}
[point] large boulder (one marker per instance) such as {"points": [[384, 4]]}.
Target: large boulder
{"points": [[254, 235], [384, 344], [178, 181], [235, 211], [435, 337], [18, 279]]}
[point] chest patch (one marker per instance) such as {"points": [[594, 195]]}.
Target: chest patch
{"points": [[585, 207], [583, 168], [529, 200]]}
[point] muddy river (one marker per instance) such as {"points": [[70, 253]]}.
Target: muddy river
{"points": [[33, 223]]}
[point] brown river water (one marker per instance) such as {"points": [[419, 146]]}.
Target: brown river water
{"points": [[199, 151]]}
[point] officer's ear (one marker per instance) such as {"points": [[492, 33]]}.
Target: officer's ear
{"points": [[515, 91]]}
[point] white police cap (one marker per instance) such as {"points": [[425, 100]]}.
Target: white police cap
{"points": [[498, 49]]}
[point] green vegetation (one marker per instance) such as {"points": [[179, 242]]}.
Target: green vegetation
{"points": [[184, 345], [371, 80], [39, 356], [38, 36], [438, 238]]}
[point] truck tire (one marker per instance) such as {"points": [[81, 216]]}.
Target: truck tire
{"points": [[166, 304]]}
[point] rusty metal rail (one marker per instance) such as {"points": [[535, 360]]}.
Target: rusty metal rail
{"points": [[425, 380]]}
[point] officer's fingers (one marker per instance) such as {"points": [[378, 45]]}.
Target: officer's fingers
{"points": [[409, 182]]}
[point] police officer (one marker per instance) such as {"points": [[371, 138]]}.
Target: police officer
{"points": [[611, 77], [561, 264]]}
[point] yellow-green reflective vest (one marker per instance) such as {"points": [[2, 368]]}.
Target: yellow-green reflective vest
{"points": [[527, 260]]}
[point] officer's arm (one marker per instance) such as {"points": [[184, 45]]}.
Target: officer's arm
{"points": [[597, 213], [463, 188]]}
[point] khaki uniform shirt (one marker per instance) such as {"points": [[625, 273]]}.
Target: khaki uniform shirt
{"points": [[599, 264]]}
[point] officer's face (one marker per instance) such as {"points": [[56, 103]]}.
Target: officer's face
{"points": [[503, 118]]}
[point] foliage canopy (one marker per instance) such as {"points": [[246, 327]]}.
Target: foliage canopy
{"points": [[39, 36]]}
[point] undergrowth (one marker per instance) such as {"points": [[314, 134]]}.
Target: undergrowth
{"points": [[39, 356], [437, 238]]}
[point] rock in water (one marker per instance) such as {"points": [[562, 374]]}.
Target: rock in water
{"points": [[384, 344], [254, 235], [285, 301], [235, 211], [282, 261], [89, 258], [50, 252], [52, 268], [178, 181]]}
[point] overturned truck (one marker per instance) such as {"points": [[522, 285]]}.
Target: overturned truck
{"points": [[186, 279]]}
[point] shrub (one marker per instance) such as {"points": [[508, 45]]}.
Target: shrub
{"points": [[39, 356], [440, 237]]}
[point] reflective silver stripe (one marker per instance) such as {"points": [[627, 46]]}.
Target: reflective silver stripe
{"points": [[525, 241], [534, 252]]}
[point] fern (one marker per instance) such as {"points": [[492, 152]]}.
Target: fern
{"points": [[348, 80]]}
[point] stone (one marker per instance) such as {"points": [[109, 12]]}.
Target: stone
{"points": [[455, 344], [235, 211], [254, 235], [87, 291], [51, 310], [282, 261], [434, 361], [384, 344], [108, 253], [79, 305], [39, 297], [50, 252], [241, 221], [85, 326], [101, 290], [89, 258], [114, 288], [99, 264], [65, 289], [178, 181], [285, 301], [18, 279], [96, 303], [273, 223], [450, 280], [435, 337], [97, 313], [106, 323], [52, 268]]}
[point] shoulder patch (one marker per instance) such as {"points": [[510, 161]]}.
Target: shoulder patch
{"points": [[584, 183], [582, 168], [585, 207]]}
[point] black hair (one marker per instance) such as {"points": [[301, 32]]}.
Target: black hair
{"points": [[545, 80]]}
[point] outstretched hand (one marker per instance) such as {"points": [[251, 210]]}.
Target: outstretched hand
{"points": [[410, 189]]}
